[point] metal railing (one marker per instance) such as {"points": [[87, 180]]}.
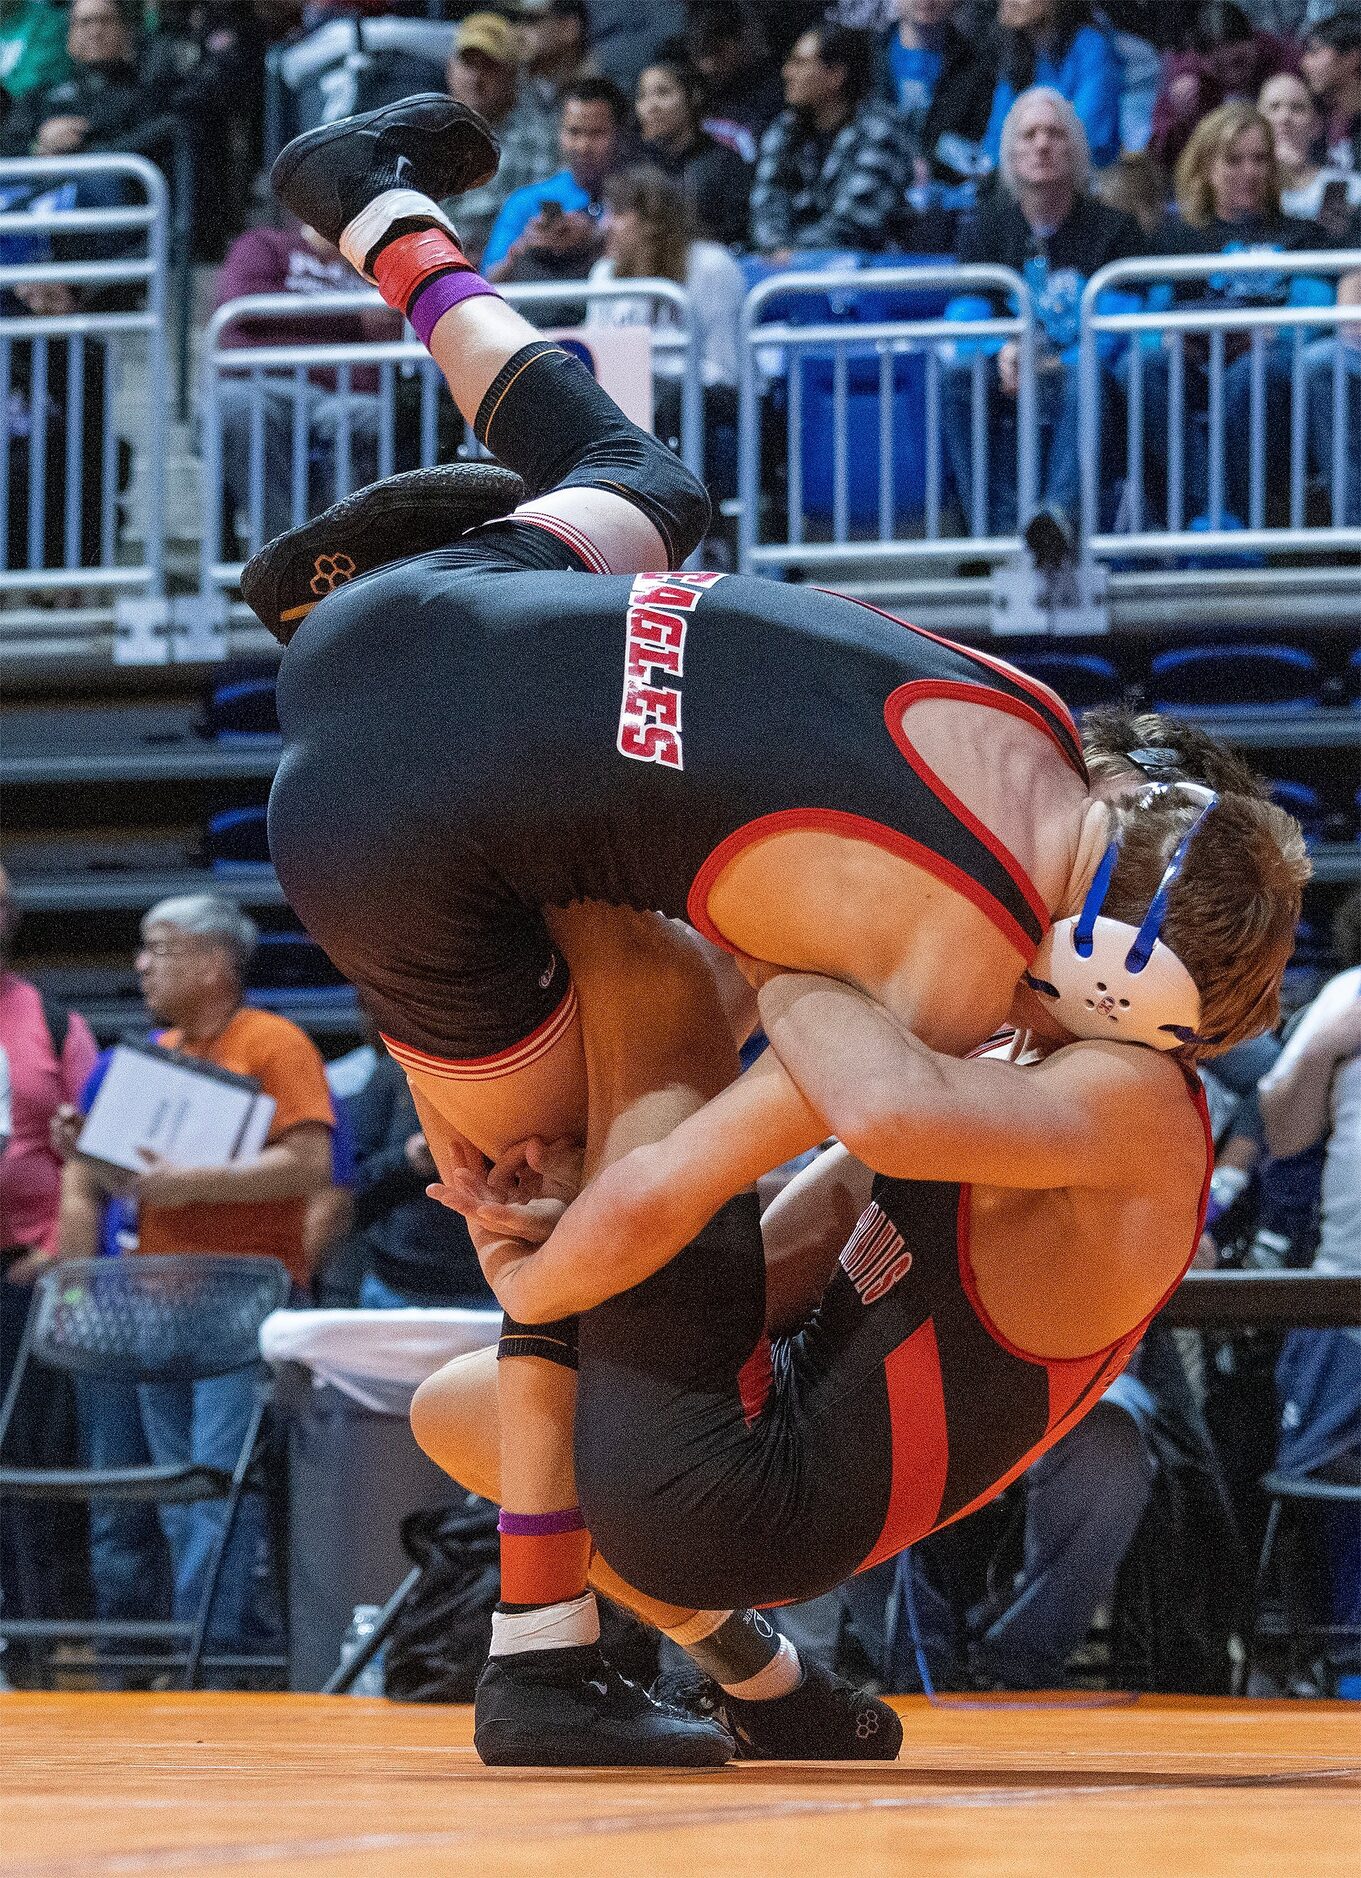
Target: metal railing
{"points": [[384, 407], [901, 366], [1264, 469], [59, 383]]}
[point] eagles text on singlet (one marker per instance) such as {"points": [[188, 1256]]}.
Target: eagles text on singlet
{"points": [[654, 664]]}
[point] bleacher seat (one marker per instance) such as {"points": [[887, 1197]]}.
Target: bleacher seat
{"points": [[1082, 679], [237, 838], [291, 961], [1259, 677], [817, 427], [242, 710]]}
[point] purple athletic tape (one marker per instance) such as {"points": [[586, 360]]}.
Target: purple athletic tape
{"points": [[434, 301], [541, 1525]]}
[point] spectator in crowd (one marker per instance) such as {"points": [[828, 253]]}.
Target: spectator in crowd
{"points": [[1137, 186], [1326, 361], [1309, 187], [110, 99], [1312, 1095], [1331, 64], [648, 234], [555, 37], [834, 166], [1226, 60], [742, 90], [191, 965], [1053, 43], [714, 181], [941, 84], [50, 1052], [1228, 197], [484, 74], [32, 47], [411, 1250], [626, 36], [551, 230], [295, 260], [214, 52], [1045, 224]]}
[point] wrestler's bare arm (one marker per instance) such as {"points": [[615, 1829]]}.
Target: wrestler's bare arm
{"points": [[804, 1229], [1091, 1115]]}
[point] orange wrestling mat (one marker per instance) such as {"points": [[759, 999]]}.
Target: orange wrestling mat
{"points": [[297, 1786]]}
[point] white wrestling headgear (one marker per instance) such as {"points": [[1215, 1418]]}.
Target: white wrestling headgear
{"points": [[1104, 978]]}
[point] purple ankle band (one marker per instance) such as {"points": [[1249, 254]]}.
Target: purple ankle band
{"points": [[541, 1525], [434, 301]]}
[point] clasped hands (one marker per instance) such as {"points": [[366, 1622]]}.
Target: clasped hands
{"points": [[511, 1206]]}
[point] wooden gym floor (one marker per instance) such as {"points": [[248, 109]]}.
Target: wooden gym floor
{"points": [[310, 1787]]}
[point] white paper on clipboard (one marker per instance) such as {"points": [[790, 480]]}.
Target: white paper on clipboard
{"points": [[190, 1113]]}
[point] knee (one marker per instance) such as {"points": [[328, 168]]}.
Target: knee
{"points": [[668, 494], [689, 509], [450, 1419]]}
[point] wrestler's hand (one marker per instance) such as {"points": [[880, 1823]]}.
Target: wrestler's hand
{"points": [[522, 1197]]}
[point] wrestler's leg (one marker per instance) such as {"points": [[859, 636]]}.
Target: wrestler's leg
{"points": [[454, 1418], [631, 503]]}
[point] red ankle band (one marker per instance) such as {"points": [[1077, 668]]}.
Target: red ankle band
{"points": [[405, 263], [544, 1568]]}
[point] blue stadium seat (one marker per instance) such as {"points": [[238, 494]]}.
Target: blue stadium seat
{"points": [[1304, 803], [291, 961], [1354, 677], [1082, 679], [1235, 677], [901, 303], [862, 431], [242, 710], [236, 838]]}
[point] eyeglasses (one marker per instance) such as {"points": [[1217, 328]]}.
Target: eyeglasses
{"points": [[164, 948]]}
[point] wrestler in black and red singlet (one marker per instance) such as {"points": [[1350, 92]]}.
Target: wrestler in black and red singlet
{"points": [[770, 1473], [468, 741]]}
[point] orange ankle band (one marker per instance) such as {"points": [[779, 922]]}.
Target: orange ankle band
{"points": [[404, 263], [544, 1568]]}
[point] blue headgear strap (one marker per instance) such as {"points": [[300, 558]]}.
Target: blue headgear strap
{"points": [[1095, 900], [1152, 923]]}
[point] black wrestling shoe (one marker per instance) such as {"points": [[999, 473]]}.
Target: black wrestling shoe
{"points": [[427, 142], [568, 1708], [824, 1719], [403, 515]]}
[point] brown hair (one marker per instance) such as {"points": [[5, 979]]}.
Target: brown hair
{"points": [[1233, 909], [1110, 732], [665, 230], [1209, 140]]}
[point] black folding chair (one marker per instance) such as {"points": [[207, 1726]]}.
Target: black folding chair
{"points": [[180, 1318], [1292, 1623]]}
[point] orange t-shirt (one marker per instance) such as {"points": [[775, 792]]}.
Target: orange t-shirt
{"points": [[288, 1066]]}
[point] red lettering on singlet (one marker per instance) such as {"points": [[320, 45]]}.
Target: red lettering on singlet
{"points": [[654, 663], [643, 659]]}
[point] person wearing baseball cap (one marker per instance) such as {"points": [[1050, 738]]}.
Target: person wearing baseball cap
{"points": [[484, 73]]}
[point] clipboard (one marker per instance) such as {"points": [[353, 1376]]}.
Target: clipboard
{"points": [[191, 1113]]}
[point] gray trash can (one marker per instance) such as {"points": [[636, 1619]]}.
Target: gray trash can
{"points": [[354, 1475]]}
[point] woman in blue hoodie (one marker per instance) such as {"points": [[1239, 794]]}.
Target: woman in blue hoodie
{"points": [[1051, 42]]}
